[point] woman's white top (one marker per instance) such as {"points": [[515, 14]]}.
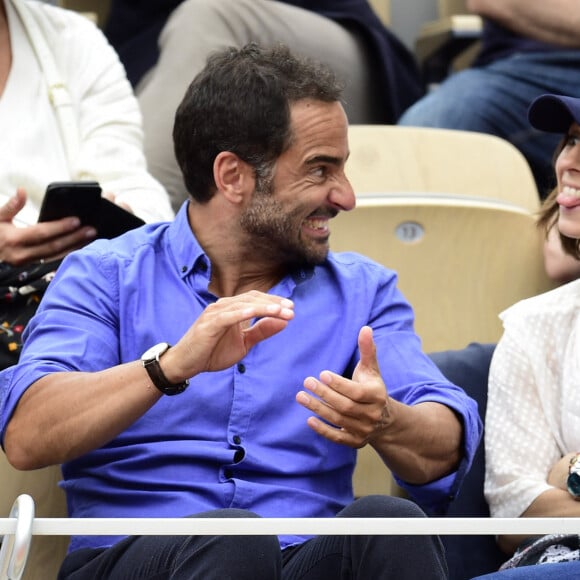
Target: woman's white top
{"points": [[533, 409]]}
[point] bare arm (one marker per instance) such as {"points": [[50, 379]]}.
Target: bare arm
{"points": [[64, 415], [555, 503], [419, 443], [80, 412], [554, 21], [423, 442]]}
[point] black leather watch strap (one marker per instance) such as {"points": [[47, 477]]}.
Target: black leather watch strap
{"points": [[150, 361]]}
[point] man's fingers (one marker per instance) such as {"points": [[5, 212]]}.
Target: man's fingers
{"points": [[264, 328], [257, 315], [367, 348], [335, 434], [253, 305]]}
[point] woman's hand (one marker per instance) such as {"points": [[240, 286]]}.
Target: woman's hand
{"points": [[46, 240], [558, 476]]}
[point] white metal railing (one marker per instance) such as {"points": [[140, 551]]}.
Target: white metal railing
{"points": [[16, 543], [21, 525]]}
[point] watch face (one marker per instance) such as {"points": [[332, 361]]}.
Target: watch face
{"points": [[155, 351], [574, 484]]}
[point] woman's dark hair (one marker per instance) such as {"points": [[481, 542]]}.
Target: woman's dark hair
{"points": [[548, 214], [240, 102]]}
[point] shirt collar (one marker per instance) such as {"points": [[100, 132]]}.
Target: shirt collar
{"points": [[189, 255], [186, 251]]}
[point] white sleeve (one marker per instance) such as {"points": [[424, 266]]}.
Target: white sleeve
{"points": [[520, 448], [110, 125]]}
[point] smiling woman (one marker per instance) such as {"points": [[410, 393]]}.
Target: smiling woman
{"points": [[532, 430], [560, 114]]}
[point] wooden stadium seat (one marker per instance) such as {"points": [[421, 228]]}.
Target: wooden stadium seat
{"points": [[383, 10], [460, 260], [396, 159]]}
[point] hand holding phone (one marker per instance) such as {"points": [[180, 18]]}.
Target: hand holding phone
{"points": [[83, 199]]}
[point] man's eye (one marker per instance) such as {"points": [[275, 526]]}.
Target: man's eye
{"points": [[319, 171], [572, 140]]}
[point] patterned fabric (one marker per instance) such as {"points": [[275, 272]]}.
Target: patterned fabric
{"points": [[548, 549], [21, 289]]}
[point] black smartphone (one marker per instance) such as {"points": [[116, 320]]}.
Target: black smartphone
{"points": [[83, 200]]}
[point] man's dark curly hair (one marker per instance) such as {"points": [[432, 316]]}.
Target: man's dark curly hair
{"points": [[240, 102]]}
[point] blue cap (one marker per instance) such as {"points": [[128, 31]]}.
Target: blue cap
{"points": [[554, 113]]}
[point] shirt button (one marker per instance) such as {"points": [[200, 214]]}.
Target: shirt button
{"points": [[237, 439], [241, 368], [239, 455], [184, 269]]}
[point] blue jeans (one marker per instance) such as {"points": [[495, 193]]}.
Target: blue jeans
{"points": [[494, 99], [260, 558]]}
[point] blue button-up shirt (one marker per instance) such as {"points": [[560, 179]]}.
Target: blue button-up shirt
{"points": [[235, 438]]}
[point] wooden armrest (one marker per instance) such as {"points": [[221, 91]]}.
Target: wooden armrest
{"points": [[439, 42]]}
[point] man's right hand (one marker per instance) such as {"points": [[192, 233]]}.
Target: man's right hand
{"points": [[225, 332], [47, 240]]}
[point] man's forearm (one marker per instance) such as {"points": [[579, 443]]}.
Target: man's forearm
{"points": [[65, 415], [553, 21], [423, 443]]}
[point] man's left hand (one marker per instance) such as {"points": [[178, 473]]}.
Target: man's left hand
{"points": [[349, 411]]}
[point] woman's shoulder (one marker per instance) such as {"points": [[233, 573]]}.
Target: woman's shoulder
{"points": [[561, 302]]}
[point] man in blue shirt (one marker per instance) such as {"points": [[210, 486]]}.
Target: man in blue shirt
{"points": [[286, 358]]}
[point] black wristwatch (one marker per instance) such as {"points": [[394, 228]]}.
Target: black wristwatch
{"points": [[150, 360]]}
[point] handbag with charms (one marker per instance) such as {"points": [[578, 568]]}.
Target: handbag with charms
{"points": [[21, 289]]}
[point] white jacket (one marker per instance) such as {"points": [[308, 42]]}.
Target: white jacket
{"points": [[110, 136]]}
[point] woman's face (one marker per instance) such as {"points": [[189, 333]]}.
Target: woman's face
{"points": [[568, 176]]}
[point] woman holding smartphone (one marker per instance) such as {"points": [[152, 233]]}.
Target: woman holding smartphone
{"points": [[67, 113]]}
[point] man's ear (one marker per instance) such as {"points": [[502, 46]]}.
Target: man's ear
{"points": [[233, 176]]}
